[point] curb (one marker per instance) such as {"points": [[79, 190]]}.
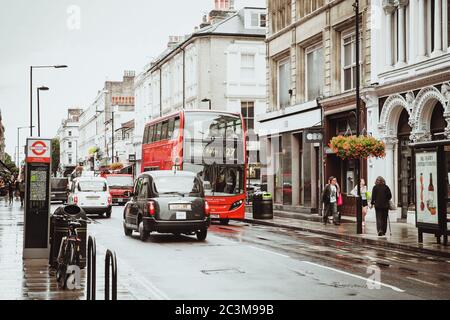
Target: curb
{"points": [[356, 239]]}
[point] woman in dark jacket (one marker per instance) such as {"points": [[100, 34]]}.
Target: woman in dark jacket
{"points": [[381, 195]]}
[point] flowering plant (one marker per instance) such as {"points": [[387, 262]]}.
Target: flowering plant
{"points": [[353, 147]]}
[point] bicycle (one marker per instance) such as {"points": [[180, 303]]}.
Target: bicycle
{"points": [[69, 254]]}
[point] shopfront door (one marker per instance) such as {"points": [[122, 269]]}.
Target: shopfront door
{"points": [[405, 185]]}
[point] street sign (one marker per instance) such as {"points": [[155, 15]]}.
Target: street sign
{"points": [[38, 151], [314, 136], [132, 158], [37, 199]]}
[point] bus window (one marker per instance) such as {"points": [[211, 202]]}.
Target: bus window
{"points": [[151, 134], [145, 141], [165, 127], [171, 126], [176, 129], [158, 132]]}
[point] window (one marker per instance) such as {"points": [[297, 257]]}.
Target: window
{"points": [[248, 112], [255, 20], [165, 128], [248, 66], [176, 129], [151, 134], [69, 144], [349, 61], [158, 132], [314, 72], [284, 69], [69, 156], [263, 20], [145, 140]]}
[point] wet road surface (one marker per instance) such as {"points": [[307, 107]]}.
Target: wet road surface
{"points": [[243, 261]]}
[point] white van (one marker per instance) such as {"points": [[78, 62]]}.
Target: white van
{"points": [[92, 195]]}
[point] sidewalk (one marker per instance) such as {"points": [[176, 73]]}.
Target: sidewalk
{"points": [[30, 279], [404, 236]]}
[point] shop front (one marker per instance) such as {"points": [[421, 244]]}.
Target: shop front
{"points": [[340, 120], [290, 164]]}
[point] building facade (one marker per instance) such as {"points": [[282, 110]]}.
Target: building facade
{"points": [[222, 65], [2, 139], [113, 105], [410, 101], [68, 135], [311, 84]]}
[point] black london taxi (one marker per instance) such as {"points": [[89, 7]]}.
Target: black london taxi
{"points": [[167, 202]]}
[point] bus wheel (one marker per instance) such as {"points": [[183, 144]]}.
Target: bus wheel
{"points": [[224, 222]]}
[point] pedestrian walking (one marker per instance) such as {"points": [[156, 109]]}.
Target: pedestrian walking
{"points": [[16, 188], [330, 197], [364, 198], [22, 192], [381, 196], [11, 191]]}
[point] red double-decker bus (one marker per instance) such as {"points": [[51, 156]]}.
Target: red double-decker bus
{"points": [[209, 143]]}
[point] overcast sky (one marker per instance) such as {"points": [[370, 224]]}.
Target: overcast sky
{"points": [[111, 36]]}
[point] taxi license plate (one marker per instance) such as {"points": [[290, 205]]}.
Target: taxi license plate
{"points": [[180, 206], [215, 216], [181, 215]]}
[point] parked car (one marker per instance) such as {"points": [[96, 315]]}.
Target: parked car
{"points": [[59, 189], [92, 195], [118, 185], [167, 202]]}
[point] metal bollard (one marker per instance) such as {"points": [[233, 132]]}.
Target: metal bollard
{"points": [[111, 261], [91, 269]]}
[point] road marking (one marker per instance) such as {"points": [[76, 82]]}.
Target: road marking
{"points": [[141, 280], [421, 281], [268, 251], [355, 276]]}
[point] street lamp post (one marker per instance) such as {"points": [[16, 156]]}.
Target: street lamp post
{"points": [[359, 216], [31, 90], [38, 108], [209, 101]]}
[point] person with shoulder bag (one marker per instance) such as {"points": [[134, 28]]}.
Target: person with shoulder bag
{"points": [[381, 200], [329, 199]]}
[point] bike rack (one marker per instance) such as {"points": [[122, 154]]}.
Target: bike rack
{"points": [[91, 268], [110, 261]]}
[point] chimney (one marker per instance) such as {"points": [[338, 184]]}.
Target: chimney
{"points": [[173, 41], [222, 10]]}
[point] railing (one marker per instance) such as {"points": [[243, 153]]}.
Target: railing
{"points": [[110, 261], [110, 267], [91, 269]]}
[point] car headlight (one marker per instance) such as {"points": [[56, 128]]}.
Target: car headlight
{"points": [[236, 205]]}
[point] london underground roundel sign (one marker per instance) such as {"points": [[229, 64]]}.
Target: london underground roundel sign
{"points": [[38, 150]]}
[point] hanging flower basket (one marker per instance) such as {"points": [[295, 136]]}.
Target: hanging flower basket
{"points": [[362, 147]]}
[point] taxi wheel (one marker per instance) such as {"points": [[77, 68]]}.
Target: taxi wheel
{"points": [[108, 213], [202, 234], [143, 234], [128, 232], [224, 222]]}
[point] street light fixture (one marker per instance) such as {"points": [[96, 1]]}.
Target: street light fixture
{"points": [[207, 100], [58, 66], [38, 108]]}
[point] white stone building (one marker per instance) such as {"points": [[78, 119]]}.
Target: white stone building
{"points": [[409, 98], [113, 106], [68, 134], [223, 61]]}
